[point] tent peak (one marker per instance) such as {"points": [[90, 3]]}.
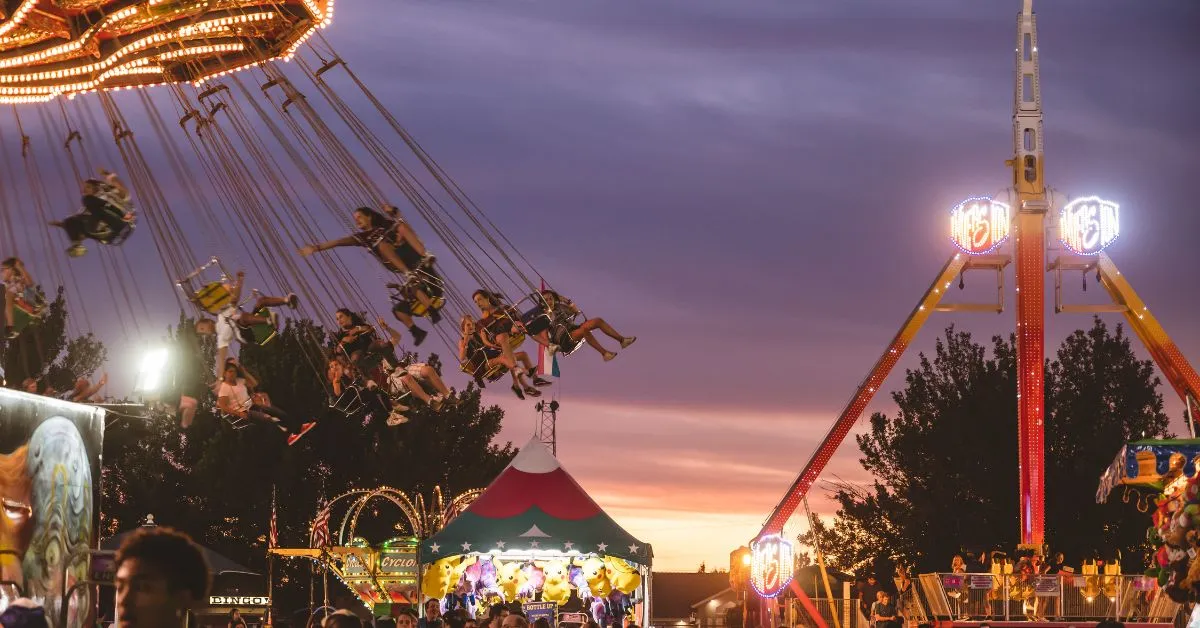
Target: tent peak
{"points": [[534, 457]]}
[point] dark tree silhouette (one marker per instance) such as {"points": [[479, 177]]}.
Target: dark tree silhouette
{"points": [[44, 352], [215, 482], [946, 461]]}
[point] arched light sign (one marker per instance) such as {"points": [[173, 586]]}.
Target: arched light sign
{"points": [[979, 225], [772, 565], [1087, 225]]}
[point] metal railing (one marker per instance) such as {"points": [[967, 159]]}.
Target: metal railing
{"points": [[846, 612], [1067, 596]]}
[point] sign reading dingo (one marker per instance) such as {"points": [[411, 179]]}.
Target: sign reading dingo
{"points": [[239, 600]]}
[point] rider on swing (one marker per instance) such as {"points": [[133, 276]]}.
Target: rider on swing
{"points": [[18, 285], [234, 324], [107, 214]]}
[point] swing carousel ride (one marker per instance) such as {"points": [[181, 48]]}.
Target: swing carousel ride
{"points": [[230, 135]]}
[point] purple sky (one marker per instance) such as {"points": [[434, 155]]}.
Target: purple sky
{"points": [[759, 191]]}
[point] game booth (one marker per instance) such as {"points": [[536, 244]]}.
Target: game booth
{"points": [[534, 536]]}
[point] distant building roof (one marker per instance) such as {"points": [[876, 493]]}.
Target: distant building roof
{"points": [[673, 593]]}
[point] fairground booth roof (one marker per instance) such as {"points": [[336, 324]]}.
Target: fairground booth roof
{"points": [[534, 506], [65, 47]]}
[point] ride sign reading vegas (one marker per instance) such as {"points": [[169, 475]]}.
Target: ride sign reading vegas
{"points": [[1087, 225], [979, 225]]}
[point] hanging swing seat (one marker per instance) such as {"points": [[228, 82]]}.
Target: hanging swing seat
{"points": [[206, 287], [424, 279], [263, 333], [28, 308]]}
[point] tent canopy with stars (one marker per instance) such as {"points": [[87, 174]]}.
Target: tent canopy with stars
{"points": [[535, 506]]}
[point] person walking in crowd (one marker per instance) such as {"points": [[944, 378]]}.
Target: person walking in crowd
{"points": [[161, 577]]}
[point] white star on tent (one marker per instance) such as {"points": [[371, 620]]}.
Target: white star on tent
{"points": [[602, 547], [534, 545], [535, 531], [466, 546], [568, 545], [633, 549], [435, 548], [500, 544]]}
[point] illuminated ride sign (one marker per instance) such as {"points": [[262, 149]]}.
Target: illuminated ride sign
{"points": [[979, 225], [1087, 225], [772, 565]]}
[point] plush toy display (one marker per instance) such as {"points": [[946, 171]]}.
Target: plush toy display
{"points": [[1176, 521], [595, 572], [510, 577], [556, 587], [623, 576], [441, 576]]}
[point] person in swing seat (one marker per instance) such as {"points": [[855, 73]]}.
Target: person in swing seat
{"points": [[397, 247], [235, 324], [497, 326], [106, 217], [405, 375], [478, 356], [234, 398], [563, 312], [19, 287]]}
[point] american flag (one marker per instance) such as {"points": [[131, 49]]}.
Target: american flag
{"points": [[320, 528], [273, 539]]}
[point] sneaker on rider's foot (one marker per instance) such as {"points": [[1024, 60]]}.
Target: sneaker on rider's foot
{"points": [[293, 301], [304, 429], [537, 381], [609, 355], [10, 332], [395, 418], [628, 341], [435, 316], [76, 250], [418, 335], [436, 402]]}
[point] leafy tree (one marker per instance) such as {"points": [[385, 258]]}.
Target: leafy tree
{"points": [[216, 482], [946, 462]]}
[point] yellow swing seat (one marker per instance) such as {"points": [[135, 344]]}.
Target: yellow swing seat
{"points": [[213, 297]]}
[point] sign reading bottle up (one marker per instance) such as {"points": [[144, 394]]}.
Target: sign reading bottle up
{"points": [[1087, 225], [772, 565]]}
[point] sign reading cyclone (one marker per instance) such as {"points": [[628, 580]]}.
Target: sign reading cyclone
{"points": [[978, 225]]}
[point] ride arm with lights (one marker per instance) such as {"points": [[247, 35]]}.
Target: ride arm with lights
{"points": [[845, 421], [1166, 355]]}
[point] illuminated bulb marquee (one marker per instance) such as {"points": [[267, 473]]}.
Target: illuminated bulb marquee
{"points": [[772, 565], [94, 45], [978, 225], [1088, 225]]}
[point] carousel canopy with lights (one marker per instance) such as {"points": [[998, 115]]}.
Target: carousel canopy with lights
{"points": [[65, 47], [535, 506]]}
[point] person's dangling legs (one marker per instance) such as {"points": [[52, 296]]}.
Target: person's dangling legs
{"points": [[77, 227]]}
